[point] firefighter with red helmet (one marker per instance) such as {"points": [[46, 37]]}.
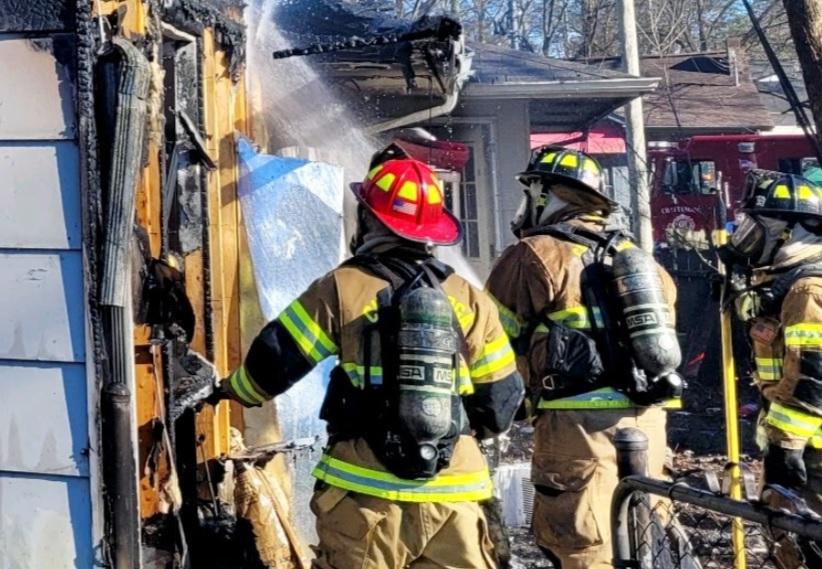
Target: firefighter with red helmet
{"points": [[779, 240], [424, 370], [591, 318]]}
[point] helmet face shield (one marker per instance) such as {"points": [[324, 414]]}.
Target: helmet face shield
{"points": [[757, 238], [748, 240]]}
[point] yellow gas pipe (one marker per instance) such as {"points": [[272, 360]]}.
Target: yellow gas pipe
{"points": [[731, 416]]}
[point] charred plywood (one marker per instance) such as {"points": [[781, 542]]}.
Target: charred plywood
{"points": [[44, 522], [40, 191], [37, 92], [42, 306], [30, 444], [36, 15]]}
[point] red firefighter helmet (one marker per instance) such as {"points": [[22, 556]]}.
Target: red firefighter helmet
{"points": [[407, 198]]}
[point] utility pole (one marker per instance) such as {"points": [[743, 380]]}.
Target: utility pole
{"points": [[635, 133], [805, 20]]}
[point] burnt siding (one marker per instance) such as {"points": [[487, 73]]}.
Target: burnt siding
{"points": [[31, 16]]}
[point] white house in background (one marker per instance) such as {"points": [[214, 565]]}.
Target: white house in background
{"points": [[510, 95]]}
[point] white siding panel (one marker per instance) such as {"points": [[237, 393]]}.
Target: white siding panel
{"points": [[42, 304], [44, 523], [39, 185], [43, 421], [36, 91]]}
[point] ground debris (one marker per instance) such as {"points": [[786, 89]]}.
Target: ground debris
{"points": [[524, 551]]}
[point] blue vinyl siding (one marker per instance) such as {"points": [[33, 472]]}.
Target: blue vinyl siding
{"points": [[45, 493]]}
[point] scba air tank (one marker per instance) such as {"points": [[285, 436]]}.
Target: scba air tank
{"points": [[646, 316], [428, 359]]}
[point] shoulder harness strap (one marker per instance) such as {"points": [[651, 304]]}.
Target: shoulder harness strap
{"points": [[402, 271], [772, 298]]}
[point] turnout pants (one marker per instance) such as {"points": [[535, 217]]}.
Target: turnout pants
{"points": [[363, 532], [574, 470]]}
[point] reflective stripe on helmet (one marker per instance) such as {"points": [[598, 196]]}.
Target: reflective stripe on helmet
{"points": [[309, 336], [495, 356], [792, 420], [604, 398], [549, 158], [769, 369], [443, 488], [245, 388], [804, 334]]}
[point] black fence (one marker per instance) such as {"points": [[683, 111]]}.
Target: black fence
{"points": [[671, 525]]}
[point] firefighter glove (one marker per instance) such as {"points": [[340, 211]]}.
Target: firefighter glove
{"points": [[748, 305], [785, 467]]}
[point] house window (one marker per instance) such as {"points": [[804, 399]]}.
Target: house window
{"points": [[467, 210]]}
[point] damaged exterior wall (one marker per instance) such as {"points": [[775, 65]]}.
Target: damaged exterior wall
{"points": [[208, 237], [51, 513]]}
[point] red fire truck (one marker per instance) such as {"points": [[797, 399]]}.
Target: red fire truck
{"points": [[690, 176]]}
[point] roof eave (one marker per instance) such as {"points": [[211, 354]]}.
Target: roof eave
{"points": [[594, 89]]}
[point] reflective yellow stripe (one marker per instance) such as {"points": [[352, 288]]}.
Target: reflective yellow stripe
{"points": [[408, 191], [548, 158], [604, 398], [434, 195], [385, 182], [356, 373], [464, 384], [804, 192], [373, 172], [575, 317], [310, 337], [816, 441], [793, 421], [511, 323], [444, 488], [496, 355], [804, 334], [769, 369], [245, 388], [782, 192], [569, 160]]}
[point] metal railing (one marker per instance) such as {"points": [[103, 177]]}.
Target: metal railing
{"points": [[659, 524]]}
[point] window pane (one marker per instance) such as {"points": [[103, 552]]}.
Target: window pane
{"points": [[472, 239], [706, 176], [470, 201], [461, 212], [448, 188], [469, 173]]}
